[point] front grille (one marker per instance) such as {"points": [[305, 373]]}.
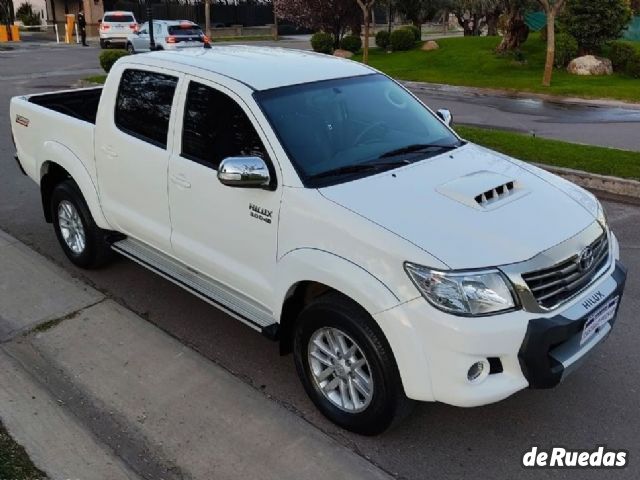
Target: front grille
{"points": [[553, 286]]}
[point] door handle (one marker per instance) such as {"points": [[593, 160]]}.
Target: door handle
{"points": [[180, 181], [109, 151]]}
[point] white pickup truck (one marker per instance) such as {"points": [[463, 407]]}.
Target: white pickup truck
{"points": [[319, 202]]}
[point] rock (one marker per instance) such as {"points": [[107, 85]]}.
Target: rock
{"points": [[590, 65], [343, 53], [430, 45]]}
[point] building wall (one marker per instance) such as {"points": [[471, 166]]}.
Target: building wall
{"points": [[93, 11]]}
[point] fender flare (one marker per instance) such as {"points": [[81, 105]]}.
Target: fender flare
{"points": [[339, 273], [60, 155]]}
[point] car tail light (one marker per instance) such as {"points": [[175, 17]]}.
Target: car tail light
{"points": [[133, 27], [171, 39], [105, 26]]}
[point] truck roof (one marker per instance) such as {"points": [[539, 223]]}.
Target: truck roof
{"points": [[261, 68]]}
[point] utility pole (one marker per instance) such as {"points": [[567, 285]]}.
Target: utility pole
{"points": [[275, 21], [207, 18]]}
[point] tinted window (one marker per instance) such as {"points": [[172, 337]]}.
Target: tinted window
{"points": [[118, 18], [143, 105], [337, 124], [186, 29], [215, 127]]}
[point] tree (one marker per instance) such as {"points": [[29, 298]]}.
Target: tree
{"points": [[472, 13], [366, 6], [594, 22], [551, 8], [419, 11], [331, 16], [516, 31]]}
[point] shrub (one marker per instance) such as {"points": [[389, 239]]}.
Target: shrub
{"points": [[322, 42], [382, 39], [620, 54], [594, 22], [633, 66], [566, 49], [109, 57], [415, 31], [27, 16], [402, 40], [353, 43]]}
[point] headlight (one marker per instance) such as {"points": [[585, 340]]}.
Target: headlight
{"points": [[602, 217], [463, 293]]}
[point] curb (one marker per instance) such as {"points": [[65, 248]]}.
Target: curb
{"points": [[593, 181], [456, 89]]}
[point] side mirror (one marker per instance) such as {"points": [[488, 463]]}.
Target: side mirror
{"points": [[247, 172], [445, 116]]}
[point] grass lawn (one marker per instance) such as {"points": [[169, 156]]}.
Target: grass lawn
{"points": [[605, 161], [471, 61], [14, 461], [96, 79]]}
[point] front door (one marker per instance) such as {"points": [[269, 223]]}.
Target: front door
{"points": [[227, 233], [132, 155]]}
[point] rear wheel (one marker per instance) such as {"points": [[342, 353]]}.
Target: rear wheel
{"points": [[130, 49], [347, 367], [81, 239], [103, 44]]}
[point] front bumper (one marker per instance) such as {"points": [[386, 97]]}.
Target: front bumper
{"points": [[435, 350]]}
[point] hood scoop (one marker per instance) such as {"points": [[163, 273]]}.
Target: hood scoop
{"points": [[483, 190]]}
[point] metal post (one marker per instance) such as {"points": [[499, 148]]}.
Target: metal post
{"points": [[55, 27], [77, 36], [207, 18], [152, 41], [275, 21], [389, 17]]}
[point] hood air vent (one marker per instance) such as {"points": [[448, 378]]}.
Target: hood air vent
{"points": [[483, 190]]}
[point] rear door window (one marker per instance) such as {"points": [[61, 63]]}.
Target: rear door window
{"points": [[143, 105]]}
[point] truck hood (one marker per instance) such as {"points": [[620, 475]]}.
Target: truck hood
{"points": [[470, 208]]}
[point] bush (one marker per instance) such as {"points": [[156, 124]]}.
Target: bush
{"points": [[415, 31], [594, 22], [382, 39], [402, 40], [566, 49], [322, 42], [27, 16], [353, 43], [109, 57], [633, 66], [620, 54]]}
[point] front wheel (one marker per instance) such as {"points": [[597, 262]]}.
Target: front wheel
{"points": [[347, 367], [81, 239]]}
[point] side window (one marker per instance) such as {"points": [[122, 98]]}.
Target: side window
{"points": [[143, 105], [215, 127]]}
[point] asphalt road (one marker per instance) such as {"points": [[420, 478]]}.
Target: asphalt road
{"points": [[598, 404]]}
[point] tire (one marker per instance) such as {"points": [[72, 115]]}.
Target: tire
{"points": [[93, 251], [387, 403], [103, 44], [130, 49]]}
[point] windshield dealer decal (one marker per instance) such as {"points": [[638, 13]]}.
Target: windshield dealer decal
{"points": [[260, 213]]}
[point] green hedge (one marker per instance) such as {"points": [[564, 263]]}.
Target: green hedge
{"points": [[353, 43], [402, 40], [382, 39], [322, 42], [109, 57]]}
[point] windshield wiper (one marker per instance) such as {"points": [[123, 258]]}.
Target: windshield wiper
{"points": [[358, 168], [416, 148]]}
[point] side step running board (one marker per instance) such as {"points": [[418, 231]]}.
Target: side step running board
{"points": [[209, 290]]}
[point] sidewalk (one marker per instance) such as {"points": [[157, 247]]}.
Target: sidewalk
{"points": [[91, 390]]}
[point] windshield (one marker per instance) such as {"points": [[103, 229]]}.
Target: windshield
{"points": [[119, 18], [338, 130], [185, 29]]}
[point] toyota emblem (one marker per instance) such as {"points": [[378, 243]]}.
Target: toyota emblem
{"points": [[585, 259]]}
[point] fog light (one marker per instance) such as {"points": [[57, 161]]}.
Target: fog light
{"points": [[478, 371]]}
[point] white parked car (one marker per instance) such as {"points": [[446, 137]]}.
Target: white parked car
{"points": [[167, 35], [319, 202], [115, 28]]}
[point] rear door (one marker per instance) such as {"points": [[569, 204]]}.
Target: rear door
{"points": [[120, 24], [185, 35], [132, 143]]}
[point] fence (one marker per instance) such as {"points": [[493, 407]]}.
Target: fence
{"points": [[248, 15]]}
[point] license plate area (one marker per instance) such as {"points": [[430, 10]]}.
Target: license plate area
{"points": [[595, 321]]}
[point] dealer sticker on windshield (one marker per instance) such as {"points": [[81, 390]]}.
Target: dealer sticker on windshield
{"points": [[597, 319]]}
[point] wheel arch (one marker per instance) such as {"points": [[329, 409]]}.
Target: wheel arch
{"points": [[319, 272], [62, 164]]}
